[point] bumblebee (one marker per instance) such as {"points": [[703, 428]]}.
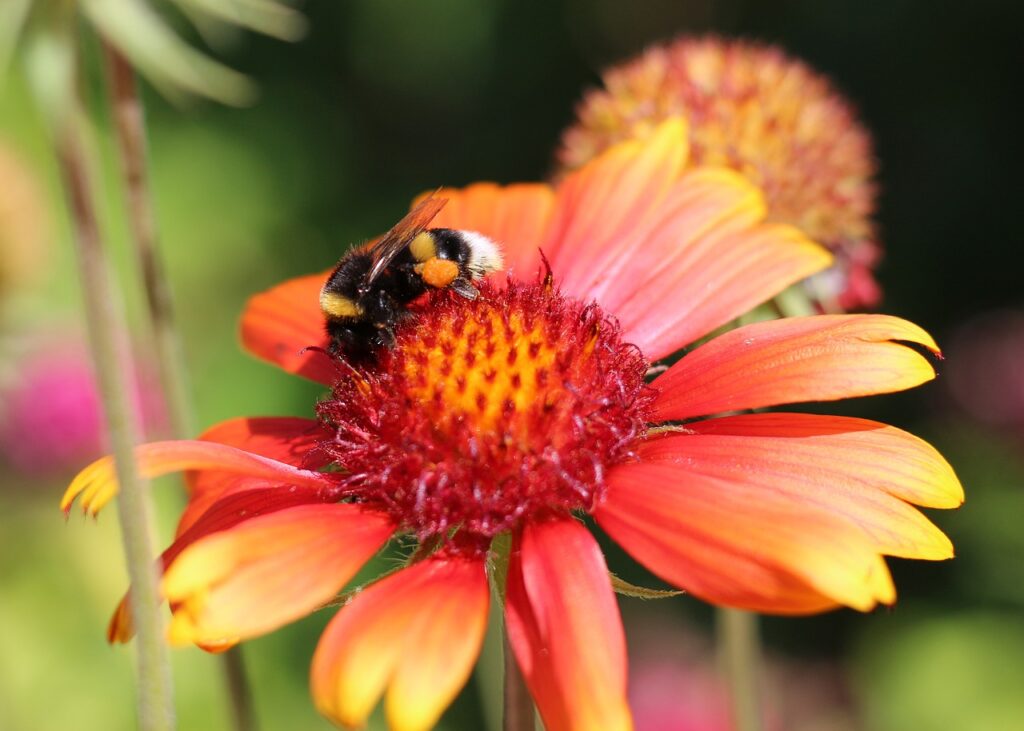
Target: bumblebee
{"points": [[369, 290]]}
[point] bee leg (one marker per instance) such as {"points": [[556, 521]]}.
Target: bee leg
{"points": [[462, 287], [386, 337]]}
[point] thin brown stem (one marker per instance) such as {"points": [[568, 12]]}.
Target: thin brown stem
{"points": [[519, 711], [129, 124], [112, 363], [740, 647]]}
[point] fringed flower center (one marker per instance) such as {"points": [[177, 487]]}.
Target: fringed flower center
{"points": [[489, 412]]}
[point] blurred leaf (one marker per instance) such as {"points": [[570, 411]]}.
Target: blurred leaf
{"points": [[263, 16], [160, 55], [13, 15], [50, 68], [962, 672]]}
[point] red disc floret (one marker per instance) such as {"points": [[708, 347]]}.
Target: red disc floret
{"points": [[490, 412]]}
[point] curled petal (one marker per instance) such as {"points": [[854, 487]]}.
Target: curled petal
{"points": [[564, 627], [97, 484], [798, 359], [730, 543], [415, 633], [269, 570], [224, 513], [286, 439], [516, 217], [282, 323]]}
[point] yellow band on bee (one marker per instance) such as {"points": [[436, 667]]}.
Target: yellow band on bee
{"points": [[336, 305], [423, 247]]}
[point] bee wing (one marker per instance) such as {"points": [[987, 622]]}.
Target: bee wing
{"points": [[401, 235]]}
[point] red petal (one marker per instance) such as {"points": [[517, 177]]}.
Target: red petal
{"points": [[564, 627], [278, 325], [285, 439], [97, 483], [224, 513], [516, 217], [794, 360], [269, 570], [731, 543], [416, 633]]}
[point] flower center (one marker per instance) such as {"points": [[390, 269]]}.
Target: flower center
{"points": [[489, 412]]}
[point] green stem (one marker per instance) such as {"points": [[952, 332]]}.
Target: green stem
{"points": [[112, 364], [129, 125], [243, 711], [518, 710], [740, 648]]}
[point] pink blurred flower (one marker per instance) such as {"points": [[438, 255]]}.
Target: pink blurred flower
{"points": [[675, 685], [51, 418], [985, 370]]}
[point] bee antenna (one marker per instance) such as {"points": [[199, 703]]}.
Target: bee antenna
{"points": [[340, 364]]}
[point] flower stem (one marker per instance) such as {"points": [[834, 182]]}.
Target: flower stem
{"points": [[243, 712], [129, 124], [518, 711], [112, 364], [740, 648]]}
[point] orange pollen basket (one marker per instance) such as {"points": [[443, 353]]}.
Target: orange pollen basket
{"points": [[491, 412]]}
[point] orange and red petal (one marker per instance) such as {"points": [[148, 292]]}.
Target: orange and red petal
{"points": [[268, 571], [822, 463], [865, 452], [565, 630], [291, 440], [515, 216], [224, 513], [702, 203], [714, 279], [282, 323], [795, 360], [728, 543], [598, 207], [97, 484], [415, 634]]}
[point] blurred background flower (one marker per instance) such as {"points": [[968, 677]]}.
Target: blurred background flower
{"points": [[25, 225], [51, 419], [985, 375], [756, 110], [675, 684]]}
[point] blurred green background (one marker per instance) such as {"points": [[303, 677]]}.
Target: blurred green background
{"points": [[385, 99]]}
